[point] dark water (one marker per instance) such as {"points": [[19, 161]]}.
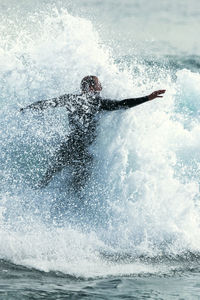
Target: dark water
{"points": [[18, 282]]}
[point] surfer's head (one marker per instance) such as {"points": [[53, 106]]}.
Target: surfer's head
{"points": [[90, 84]]}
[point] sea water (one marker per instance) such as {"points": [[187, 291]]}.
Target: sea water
{"points": [[134, 232]]}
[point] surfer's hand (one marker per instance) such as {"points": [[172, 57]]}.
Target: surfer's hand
{"points": [[156, 94]]}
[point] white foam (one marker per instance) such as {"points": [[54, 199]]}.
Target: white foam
{"points": [[145, 196]]}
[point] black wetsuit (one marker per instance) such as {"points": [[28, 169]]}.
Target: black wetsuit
{"points": [[83, 111]]}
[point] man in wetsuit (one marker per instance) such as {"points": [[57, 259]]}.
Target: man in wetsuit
{"points": [[83, 111]]}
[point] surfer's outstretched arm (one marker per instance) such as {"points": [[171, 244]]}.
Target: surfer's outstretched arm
{"points": [[54, 102], [131, 102]]}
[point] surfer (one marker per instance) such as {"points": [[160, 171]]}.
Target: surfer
{"points": [[83, 111]]}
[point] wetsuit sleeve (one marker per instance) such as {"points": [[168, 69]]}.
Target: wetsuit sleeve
{"points": [[61, 101], [110, 105]]}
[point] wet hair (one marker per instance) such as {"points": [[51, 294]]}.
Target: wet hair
{"points": [[88, 82]]}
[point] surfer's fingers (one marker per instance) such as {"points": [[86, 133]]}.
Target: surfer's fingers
{"points": [[156, 94], [161, 91]]}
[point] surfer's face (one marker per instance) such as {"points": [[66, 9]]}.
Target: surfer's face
{"points": [[91, 84], [97, 87]]}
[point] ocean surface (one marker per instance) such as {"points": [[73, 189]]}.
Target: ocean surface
{"points": [[134, 232]]}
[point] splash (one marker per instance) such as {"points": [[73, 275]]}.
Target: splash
{"points": [[143, 197]]}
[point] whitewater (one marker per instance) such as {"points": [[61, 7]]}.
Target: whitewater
{"points": [[139, 214]]}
